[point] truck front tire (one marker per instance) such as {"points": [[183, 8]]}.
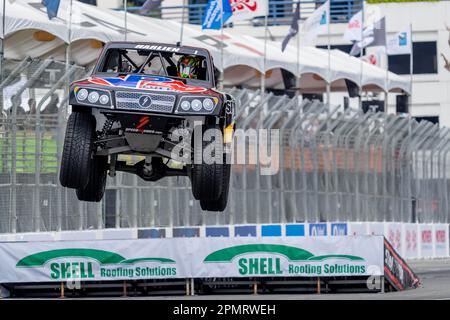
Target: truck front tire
{"points": [[95, 188], [78, 150]]}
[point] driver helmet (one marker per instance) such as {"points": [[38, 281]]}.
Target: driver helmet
{"points": [[188, 67]]}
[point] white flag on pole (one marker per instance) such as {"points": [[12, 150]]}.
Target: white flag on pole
{"points": [[353, 31], [248, 9], [400, 43], [317, 23], [373, 35]]}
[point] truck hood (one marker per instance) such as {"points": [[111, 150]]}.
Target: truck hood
{"points": [[146, 83]]}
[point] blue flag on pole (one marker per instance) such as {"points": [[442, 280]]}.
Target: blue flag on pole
{"points": [[212, 17], [52, 7]]}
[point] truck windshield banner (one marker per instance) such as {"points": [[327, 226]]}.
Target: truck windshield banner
{"points": [[190, 258]]}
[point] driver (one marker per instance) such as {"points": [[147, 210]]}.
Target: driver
{"points": [[188, 67]]}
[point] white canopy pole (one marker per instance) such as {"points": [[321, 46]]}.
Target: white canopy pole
{"points": [[329, 57], [263, 73], [182, 22], [69, 36], [297, 75], [360, 57], [386, 89], [125, 5], [2, 53], [222, 73]]}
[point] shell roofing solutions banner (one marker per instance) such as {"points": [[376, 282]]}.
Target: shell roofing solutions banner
{"points": [[190, 258]]}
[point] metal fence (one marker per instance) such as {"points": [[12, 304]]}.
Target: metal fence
{"points": [[334, 165], [280, 11]]}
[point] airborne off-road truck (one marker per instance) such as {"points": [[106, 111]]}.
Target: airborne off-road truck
{"points": [[149, 100]]}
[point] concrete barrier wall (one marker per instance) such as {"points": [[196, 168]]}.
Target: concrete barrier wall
{"points": [[411, 240]]}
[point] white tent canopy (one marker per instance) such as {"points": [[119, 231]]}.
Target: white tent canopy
{"points": [[29, 32]]}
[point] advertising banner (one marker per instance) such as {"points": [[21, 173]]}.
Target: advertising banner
{"points": [[426, 240], [441, 240], [190, 258], [376, 228], [410, 240], [339, 229], [317, 229], [394, 235], [358, 229]]}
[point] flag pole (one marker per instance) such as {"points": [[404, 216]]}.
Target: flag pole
{"points": [[411, 70], [125, 6], [263, 73], [329, 56]]}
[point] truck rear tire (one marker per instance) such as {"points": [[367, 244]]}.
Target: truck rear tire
{"points": [[206, 179], [95, 188], [220, 204], [77, 151]]}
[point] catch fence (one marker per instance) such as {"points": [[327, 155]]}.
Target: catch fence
{"points": [[329, 164]]}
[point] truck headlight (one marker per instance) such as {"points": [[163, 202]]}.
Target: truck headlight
{"points": [[208, 104], [93, 97], [82, 94], [197, 104], [185, 105], [104, 99]]}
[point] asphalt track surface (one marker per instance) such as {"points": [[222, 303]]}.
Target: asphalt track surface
{"points": [[434, 275]]}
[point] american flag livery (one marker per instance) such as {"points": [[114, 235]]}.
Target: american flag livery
{"points": [[152, 83]]}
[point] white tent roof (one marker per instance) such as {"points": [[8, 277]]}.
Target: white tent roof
{"points": [[243, 55]]}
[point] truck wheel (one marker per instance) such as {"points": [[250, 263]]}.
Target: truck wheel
{"points": [[221, 203], [77, 151], [95, 189], [206, 179]]}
